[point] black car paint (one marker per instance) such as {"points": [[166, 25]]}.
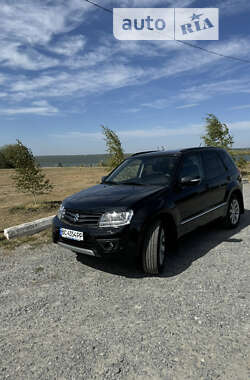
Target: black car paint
{"points": [[106, 197], [183, 207]]}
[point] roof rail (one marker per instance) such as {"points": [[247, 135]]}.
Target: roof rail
{"points": [[198, 147], [148, 151]]}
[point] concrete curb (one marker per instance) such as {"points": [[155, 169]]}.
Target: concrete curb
{"points": [[28, 228]]}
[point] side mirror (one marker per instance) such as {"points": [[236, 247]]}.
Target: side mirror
{"points": [[103, 179], [190, 181]]}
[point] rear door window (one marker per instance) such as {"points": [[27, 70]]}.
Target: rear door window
{"points": [[227, 160], [192, 166], [213, 165]]}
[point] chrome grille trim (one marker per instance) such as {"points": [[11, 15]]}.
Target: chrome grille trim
{"points": [[83, 219]]}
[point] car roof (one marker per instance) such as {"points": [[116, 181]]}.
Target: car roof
{"points": [[177, 152]]}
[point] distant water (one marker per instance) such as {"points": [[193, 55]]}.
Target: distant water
{"points": [[82, 160], [74, 160], [245, 156]]}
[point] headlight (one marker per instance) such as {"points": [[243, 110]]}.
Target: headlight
{"points": [[116, 219], [61, 212]]}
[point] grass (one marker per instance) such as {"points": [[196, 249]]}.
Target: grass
{"points": [[246, 172], [41, 238], [241, 151], [17, 208]]}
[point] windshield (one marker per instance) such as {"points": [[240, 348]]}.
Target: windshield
{"points": [[144, 171]]}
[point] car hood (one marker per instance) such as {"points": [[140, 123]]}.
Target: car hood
{"points": [[104, 197]]}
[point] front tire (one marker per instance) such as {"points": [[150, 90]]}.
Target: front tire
{"points": [[233, 213], [154, 250]]}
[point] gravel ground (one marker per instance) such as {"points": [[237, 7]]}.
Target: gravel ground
{"points": [[66, 316]]}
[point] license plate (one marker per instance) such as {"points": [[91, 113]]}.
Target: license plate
{"points": [[70, 234]]}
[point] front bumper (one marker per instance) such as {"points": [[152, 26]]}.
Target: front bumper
{"points": [[85, 251], [99, 242]]}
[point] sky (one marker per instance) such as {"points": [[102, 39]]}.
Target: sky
{"points": [[63, 75]]}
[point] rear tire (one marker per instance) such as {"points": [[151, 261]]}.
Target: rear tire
{"points": [[232, 218], [154, 250]]}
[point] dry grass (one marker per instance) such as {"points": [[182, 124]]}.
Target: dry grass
{"points": [[246, 172], [30, 241], [16, 208]]}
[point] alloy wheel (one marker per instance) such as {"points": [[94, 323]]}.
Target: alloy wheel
{"points": [[162, 246], [234, 212]]}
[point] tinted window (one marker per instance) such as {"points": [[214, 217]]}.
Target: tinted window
{"points": [[227, 159], [213, 165], [129, 171], [192, 166], [147, 170]]}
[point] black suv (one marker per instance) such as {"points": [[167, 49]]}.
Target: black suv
{"points": [[149, 200]]}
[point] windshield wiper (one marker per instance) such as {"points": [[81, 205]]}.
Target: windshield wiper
{"points": [[131, 183], [110, 182]]}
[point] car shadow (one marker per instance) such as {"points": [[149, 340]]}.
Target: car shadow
{"points": [[190, 248]]}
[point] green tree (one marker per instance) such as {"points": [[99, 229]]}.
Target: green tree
{"points": [[7, 156], [29, 177], [242, 165], [217, 133], [3, 163], [114, 147]]}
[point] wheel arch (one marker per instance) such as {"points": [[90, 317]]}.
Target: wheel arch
{"points": [[167, 219], [239, 195]]}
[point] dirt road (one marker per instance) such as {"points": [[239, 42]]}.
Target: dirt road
{"points": [[64, 316]]}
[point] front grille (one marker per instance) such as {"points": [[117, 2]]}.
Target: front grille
{"points": [[79, 218]]}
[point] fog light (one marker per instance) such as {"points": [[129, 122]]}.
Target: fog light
{"points": [[108, 245]]}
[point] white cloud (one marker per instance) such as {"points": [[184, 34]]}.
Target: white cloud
{"points": [[150, 3], [242, 107], [146, 49], [29, 37], [79, 135], [78, 83], [194, 59], [194, 129], [36, 108], [226, 6], [158, 103], [122, 52], [13, 55], [233, 7], [104, 77], [28, 25], [187, 106], [25, 85], [203, 92], [68, 46], [2, 78], [37, 21], [240, 126], [208, 90], [132, 110]]}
